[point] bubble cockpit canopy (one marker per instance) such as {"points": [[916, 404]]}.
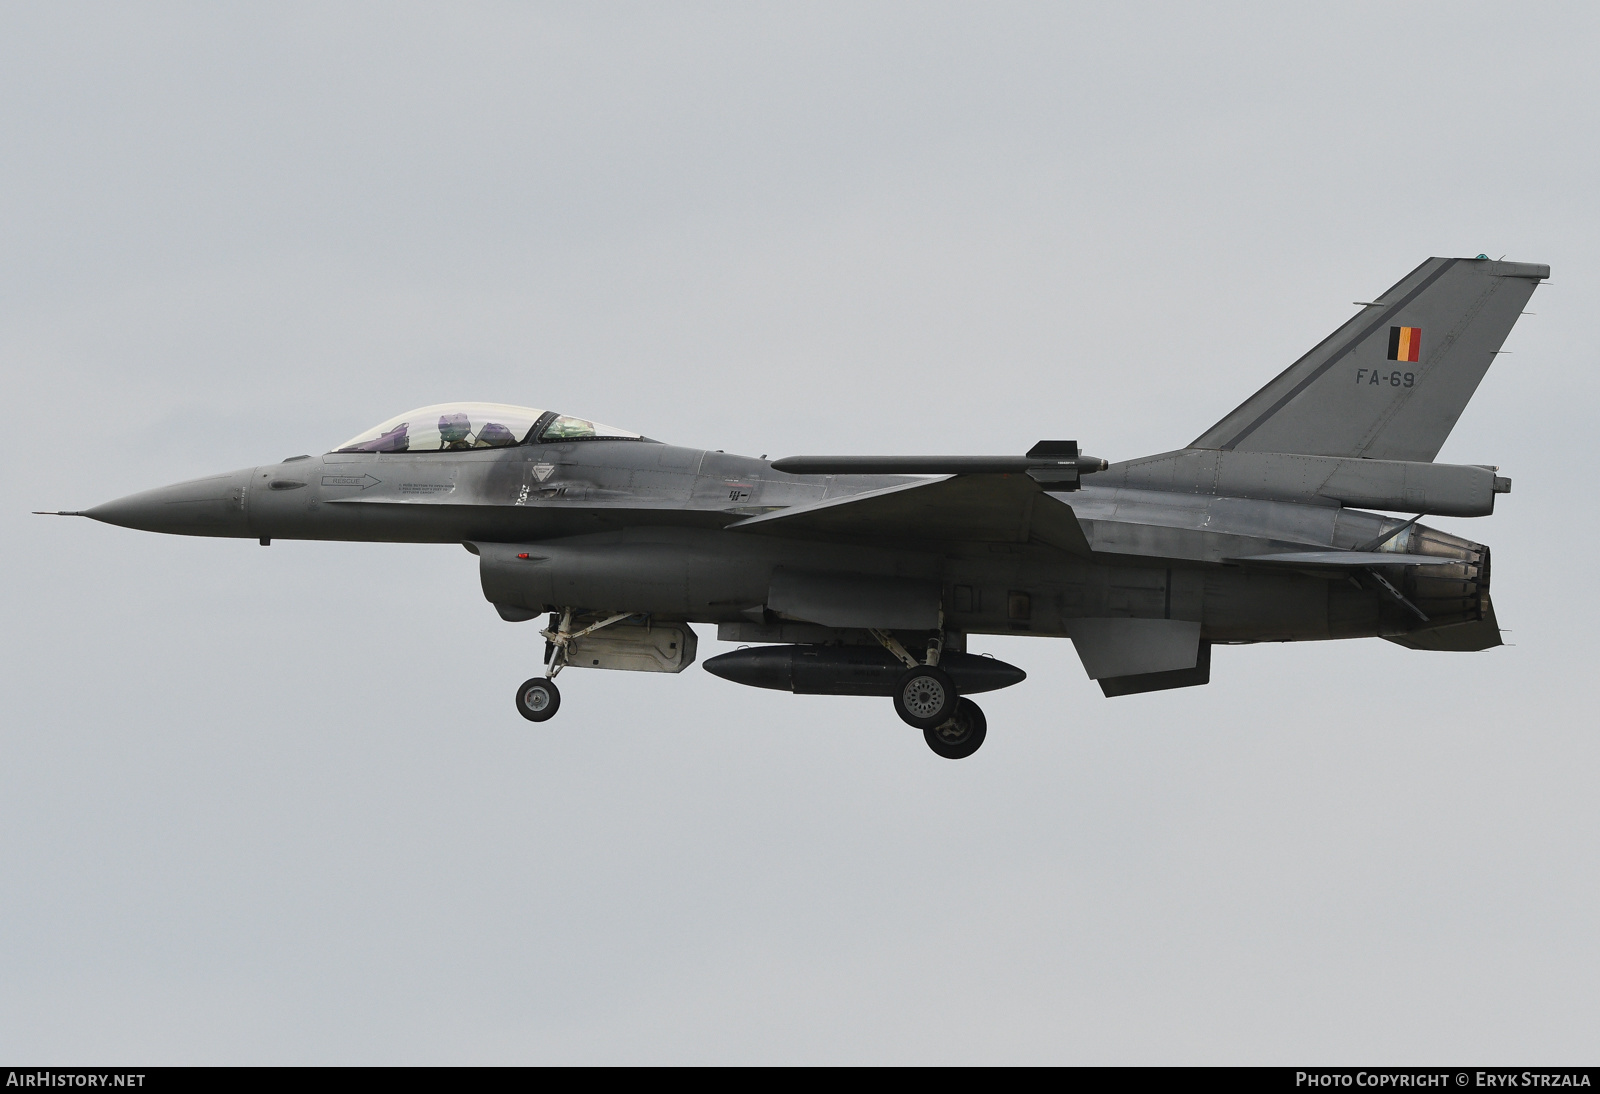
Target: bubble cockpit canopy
{"points": [[456, 427]]}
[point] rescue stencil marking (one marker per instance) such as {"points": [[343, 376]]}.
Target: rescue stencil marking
{"points": [[363, 481]]}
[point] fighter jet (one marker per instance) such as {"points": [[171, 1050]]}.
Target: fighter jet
{"points": [[868, 574]]}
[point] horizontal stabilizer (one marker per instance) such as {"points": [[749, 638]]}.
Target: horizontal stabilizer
{"points": [[1470, 637]]}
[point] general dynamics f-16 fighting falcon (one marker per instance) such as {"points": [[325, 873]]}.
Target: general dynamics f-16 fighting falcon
{"points": [[866, 575]]}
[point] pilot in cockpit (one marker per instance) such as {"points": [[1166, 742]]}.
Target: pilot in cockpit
{"points": [[466, 426], [455, 432]]}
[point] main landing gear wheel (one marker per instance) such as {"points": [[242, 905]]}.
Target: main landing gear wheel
{"points": [[962, 735], [925, 697], [538, 700]]}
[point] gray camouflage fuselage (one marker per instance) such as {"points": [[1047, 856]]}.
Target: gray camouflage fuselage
{"points": [[644, 527]]}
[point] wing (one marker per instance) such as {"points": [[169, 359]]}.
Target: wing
{"points": [[1005, 508]]}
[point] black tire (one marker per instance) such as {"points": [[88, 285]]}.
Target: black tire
{"points": [[925, 697], [538, 699], [962, 735]]}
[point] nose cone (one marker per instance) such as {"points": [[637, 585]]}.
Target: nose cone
{"points": [[213, 506]]}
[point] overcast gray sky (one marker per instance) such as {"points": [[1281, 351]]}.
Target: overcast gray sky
{"points": [[275, 806]]}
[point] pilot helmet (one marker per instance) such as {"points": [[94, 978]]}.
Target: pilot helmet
{"points": [[453, 428]]}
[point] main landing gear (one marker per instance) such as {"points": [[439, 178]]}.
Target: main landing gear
{"points": [[926, 699], [538, 699], [962, 735]]}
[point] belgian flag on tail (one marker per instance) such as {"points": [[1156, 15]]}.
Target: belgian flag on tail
{"points": [[1405, 343]]}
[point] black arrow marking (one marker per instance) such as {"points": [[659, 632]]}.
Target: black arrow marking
{"points": [[364, 481]]}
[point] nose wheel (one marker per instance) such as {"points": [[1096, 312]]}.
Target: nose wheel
{"points": [[962, 735], [538, 699]]}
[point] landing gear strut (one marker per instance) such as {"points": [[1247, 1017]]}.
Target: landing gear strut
{"points": [[538, 699], [926, 698]]}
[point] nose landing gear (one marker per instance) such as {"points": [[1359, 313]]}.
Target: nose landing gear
{"points": [[538, 699]]}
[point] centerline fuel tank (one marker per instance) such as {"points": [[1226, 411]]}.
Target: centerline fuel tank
{"points": [[851, 670]]}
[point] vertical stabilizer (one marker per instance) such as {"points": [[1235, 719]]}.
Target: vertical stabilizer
{"points": [[1391, 383]]}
